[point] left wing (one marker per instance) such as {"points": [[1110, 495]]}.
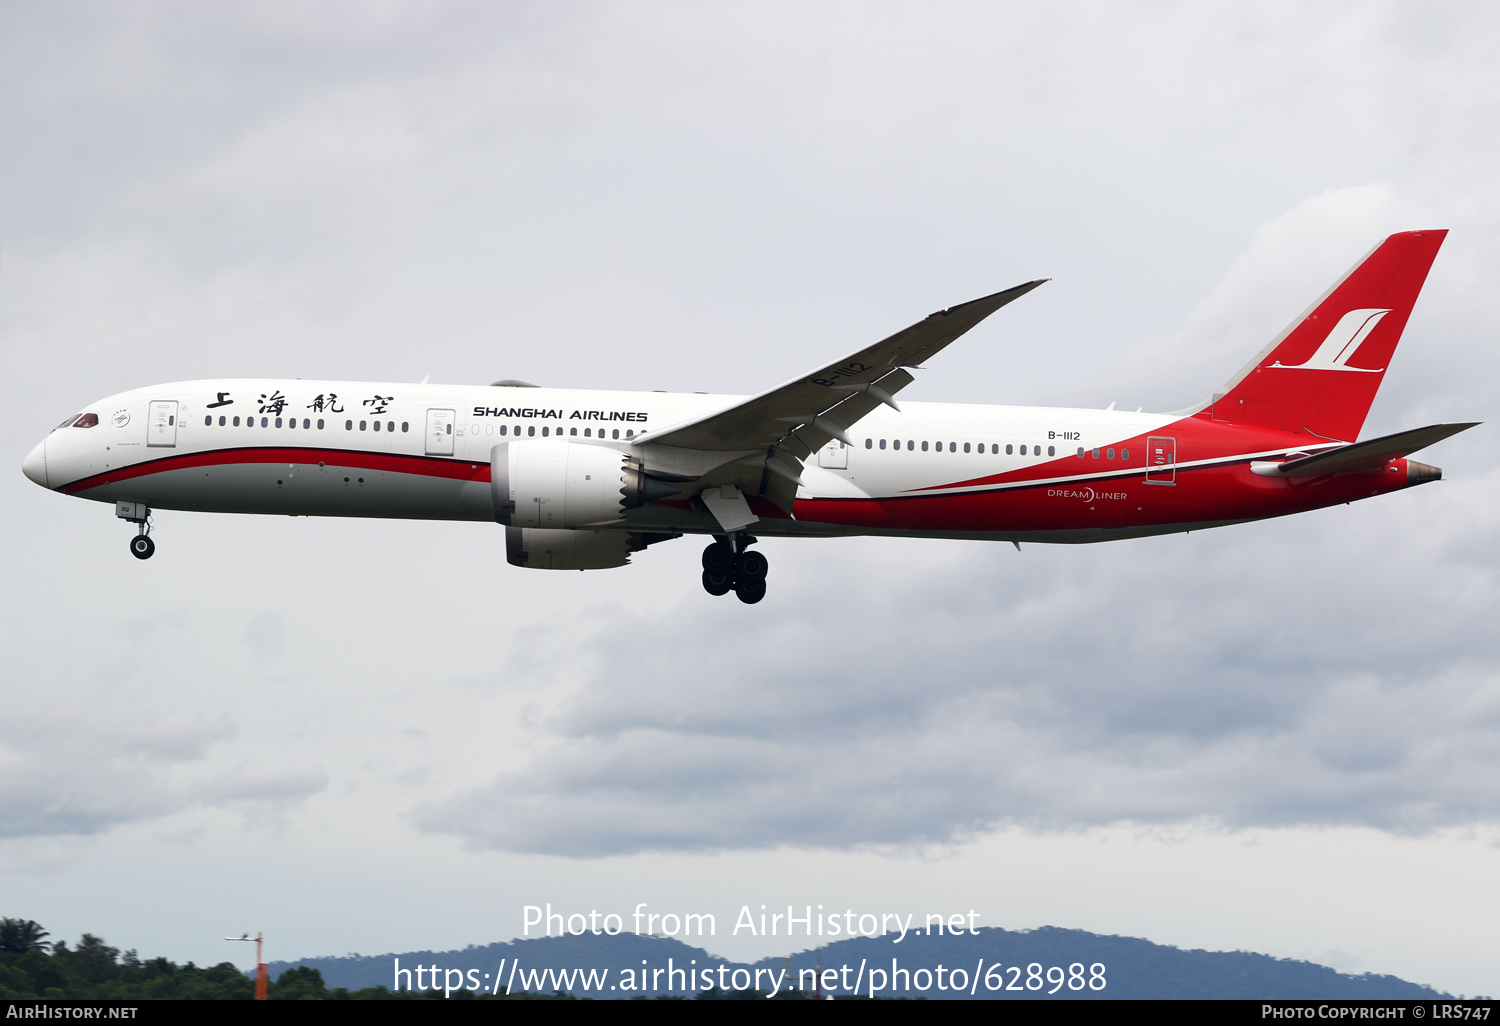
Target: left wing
{"points": [[789, 423]]}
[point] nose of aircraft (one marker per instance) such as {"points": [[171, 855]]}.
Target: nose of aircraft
{"points": [[35, 465]]}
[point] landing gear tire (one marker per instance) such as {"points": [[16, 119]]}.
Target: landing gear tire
{"points": [[717, 583], [751, 566], [718, 558], [750, 590], [142, 547]]}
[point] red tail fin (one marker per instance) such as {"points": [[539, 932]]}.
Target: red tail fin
{"points": [[1321, 375]]}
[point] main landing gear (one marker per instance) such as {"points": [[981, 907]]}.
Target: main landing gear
{"points": [[728, 565], [138, 513]]}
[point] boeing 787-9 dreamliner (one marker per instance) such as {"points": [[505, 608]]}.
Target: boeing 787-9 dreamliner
{"points": [[582, 479]]}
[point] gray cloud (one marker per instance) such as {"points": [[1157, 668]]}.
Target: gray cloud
{"points": [[1332, 669], [83, 774]]}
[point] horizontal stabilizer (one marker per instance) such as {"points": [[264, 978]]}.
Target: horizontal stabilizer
{"points": [[1377, 452]]}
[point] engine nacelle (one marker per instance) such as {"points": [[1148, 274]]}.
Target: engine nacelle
{"points": [[542, 549], [552, 484]]}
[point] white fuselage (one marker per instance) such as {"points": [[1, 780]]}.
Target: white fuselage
{"points": [[340, 448]]}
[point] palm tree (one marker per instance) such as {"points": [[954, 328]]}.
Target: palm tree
{"points": [[18, 936]]}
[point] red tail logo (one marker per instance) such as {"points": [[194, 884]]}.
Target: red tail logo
{"points": [[1368, 309]]}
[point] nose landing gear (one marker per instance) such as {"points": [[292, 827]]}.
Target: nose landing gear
{"points": [[138, 513], [728, 565]]}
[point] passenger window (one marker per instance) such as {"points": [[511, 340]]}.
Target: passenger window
{"points": [[953, 447], [405, 426], [221, 422], [377, 425], [1109, 454], [910, 445], [531, 430], [263, 422], [1008, 449], [291, 422], [572, 431], [278, 422], [544, 431], [1096, 454], [320, 423], [588, 432], [615, 433], [966, 447], [1124, 454], [390, 425], [208, 421], [348, 425], [1051, 450], [502, 429], [924, 446], [362, 425], [629, 432], [1080, 452], [236, 422], [882, 443], [869, 443]]}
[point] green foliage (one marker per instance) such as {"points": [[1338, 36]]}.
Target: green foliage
{"points": [[18, 936], [31, 968]]}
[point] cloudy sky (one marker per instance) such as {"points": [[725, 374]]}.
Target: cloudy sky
{"points": [[379, 736]]}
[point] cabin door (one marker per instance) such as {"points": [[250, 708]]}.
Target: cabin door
{"points": [[161, 423], [1161, 460], [440, 432], [834, 456]]}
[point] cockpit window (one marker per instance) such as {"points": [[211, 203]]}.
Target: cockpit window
{"points": [[66, 422], [88, 420]]}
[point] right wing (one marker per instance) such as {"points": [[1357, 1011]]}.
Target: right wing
{"points": [[784, 426]]}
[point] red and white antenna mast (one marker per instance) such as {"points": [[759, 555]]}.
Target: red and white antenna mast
{"points": [[262, 971]]}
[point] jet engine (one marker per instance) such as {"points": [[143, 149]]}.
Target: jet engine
{"points": [[554, 484], [568, 550]]}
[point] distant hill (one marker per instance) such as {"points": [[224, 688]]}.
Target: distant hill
{"points": [[629, 965]]}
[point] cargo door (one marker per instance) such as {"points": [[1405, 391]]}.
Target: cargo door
{"points": [[440, 425], [161, 423]]}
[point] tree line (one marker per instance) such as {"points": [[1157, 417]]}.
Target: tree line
{"points": [[31, 967]]}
